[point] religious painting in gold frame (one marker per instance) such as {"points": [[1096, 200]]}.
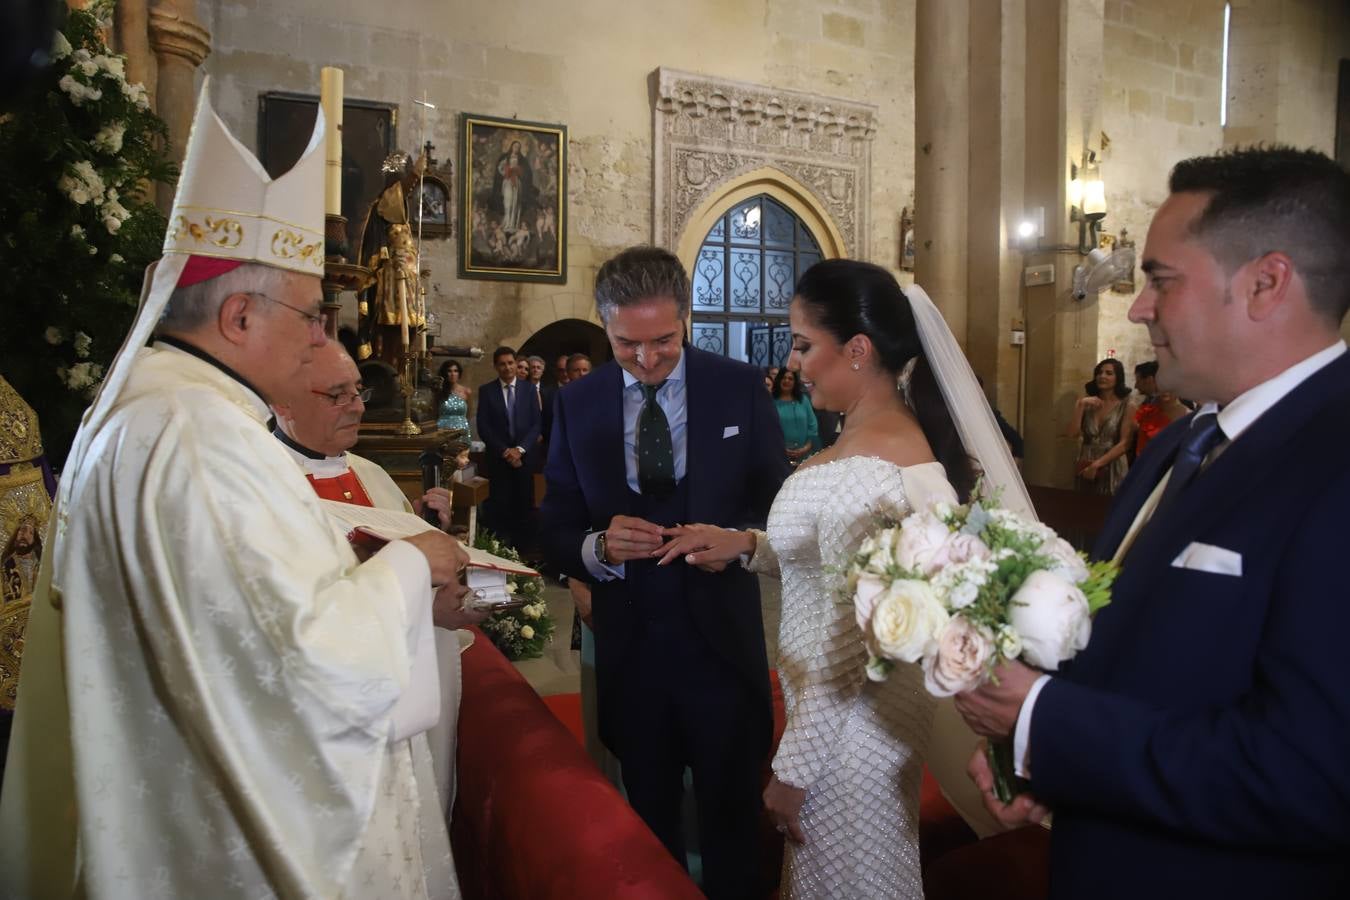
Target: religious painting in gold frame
{"points": [[513, 200]]}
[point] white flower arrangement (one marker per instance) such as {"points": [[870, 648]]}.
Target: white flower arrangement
{"points": [[519, 633], [960, 589]]}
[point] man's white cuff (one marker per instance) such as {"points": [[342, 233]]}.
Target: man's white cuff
{"points": [[599, 571], [1022, 733]]}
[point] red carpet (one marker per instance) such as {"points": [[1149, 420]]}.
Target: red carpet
{"points": [[567, 709]]}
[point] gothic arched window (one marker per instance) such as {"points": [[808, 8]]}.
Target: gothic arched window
{"points": [[743, 279]]}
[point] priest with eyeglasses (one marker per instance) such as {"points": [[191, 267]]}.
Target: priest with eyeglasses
{"points": [[219, 698]]}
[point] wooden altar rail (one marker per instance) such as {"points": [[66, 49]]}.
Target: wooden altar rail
{"points": [[533, 816]]}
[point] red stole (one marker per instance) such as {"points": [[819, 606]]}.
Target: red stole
{"points": [[344, 488]]}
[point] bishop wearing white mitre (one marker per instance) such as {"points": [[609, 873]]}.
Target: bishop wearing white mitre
{"points": [[216, 698]]}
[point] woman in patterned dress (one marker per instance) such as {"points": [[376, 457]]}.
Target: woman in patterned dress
{"points": [[846, 776]]}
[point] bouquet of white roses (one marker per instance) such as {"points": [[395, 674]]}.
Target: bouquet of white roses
{"points": [[960, 589], [519, 633]]}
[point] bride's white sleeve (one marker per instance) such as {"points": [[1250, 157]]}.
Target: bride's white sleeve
{"points": [[821, 656], [763, 561]]}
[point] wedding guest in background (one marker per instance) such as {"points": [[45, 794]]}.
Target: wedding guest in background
{"points": [[1158, 409], [560, 370], [1102, 421], [800, 430], [509, 421], [523, 368], [1197, 747], [578, 366], [453, 408]]}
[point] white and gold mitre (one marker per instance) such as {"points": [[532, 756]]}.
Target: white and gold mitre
{"points": [[228, 208]]}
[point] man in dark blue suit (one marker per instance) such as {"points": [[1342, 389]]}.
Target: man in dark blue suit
{"points": [[1200, 745], [666, 435], [508, 425]]}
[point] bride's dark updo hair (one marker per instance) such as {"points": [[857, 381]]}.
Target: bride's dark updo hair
{"points": [[847, 297]]}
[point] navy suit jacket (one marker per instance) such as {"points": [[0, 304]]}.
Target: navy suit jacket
{"points": [[493, 430], [1200, 745], [731, 480]]}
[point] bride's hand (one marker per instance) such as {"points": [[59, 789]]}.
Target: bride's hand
{"points": [[784, 804], [706, 546]]}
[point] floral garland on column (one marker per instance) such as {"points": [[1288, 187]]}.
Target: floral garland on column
{"points": [[80, 151]]}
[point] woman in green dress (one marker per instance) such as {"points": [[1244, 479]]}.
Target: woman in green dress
{"points": [[801, 433]]}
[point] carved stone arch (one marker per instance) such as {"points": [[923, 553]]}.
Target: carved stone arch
{"points": [[713, 137], [543, 312], [803, 203]]}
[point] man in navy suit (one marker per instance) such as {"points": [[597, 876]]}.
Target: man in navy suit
{"points": [[508, 425], [1200, 745], [666, 435]]}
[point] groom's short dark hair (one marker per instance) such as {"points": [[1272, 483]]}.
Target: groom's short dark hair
{"points": [[639, 274], [1276, 198]]}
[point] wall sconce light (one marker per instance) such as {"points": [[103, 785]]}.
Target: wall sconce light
{"points": [[1087, 198]]}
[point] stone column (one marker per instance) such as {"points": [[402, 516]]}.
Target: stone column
{"points": [[181, 44], [942, 64], [131, 27]]}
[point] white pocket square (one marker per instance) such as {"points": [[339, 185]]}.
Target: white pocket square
{"points": [[1209, 558], [731, 431]]}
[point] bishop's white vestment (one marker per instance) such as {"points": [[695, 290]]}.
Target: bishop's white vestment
{"points": [[211, 703], [354, 479]]}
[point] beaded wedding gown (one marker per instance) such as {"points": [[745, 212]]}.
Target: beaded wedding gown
{"points": [[855, 746]]}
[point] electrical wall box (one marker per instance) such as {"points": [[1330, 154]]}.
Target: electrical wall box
{"points": [[1035, 275], [1019, 338]]}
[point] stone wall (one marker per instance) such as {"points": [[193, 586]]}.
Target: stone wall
{"points": [[1162, 73], [1161, 95], [586, 64]]}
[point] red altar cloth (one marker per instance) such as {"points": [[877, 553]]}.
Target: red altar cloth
{"points": [[533, 816]]}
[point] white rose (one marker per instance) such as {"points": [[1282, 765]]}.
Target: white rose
{"points": [[921, 541], [865, 596], [80, 196], [532, 611], [1007, 642], [53, 335], [83, 55], [82, 344], [961, 548], [60, 46], [109, 138], [77, 231], [527, 632], [112, 223], [1065, 561], [907, 621], [963, 651], [88, 69], [1051, 615]]}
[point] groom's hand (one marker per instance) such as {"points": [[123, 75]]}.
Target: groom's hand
{"points": [[1024, 809], [629, 537], [991, 709]]}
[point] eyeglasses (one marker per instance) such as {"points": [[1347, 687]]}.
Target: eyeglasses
{"points": [[347, 398], [314, 319]]}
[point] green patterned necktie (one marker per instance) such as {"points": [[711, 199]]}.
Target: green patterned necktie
{"points": [[655, 450]]}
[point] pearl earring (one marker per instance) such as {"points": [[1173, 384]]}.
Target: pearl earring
{"points": [[855, 367]]}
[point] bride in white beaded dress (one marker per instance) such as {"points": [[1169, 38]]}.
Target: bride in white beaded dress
{"points": [[845, 788]]}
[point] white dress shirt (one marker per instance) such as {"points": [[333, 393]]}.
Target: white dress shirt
{"points": [[1234, 419]]}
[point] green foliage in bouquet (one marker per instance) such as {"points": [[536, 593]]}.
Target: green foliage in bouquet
{"points": [[519, 633], [81, 153]]}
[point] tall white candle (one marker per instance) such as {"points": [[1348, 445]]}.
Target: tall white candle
{"points": [[330, 98]]}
